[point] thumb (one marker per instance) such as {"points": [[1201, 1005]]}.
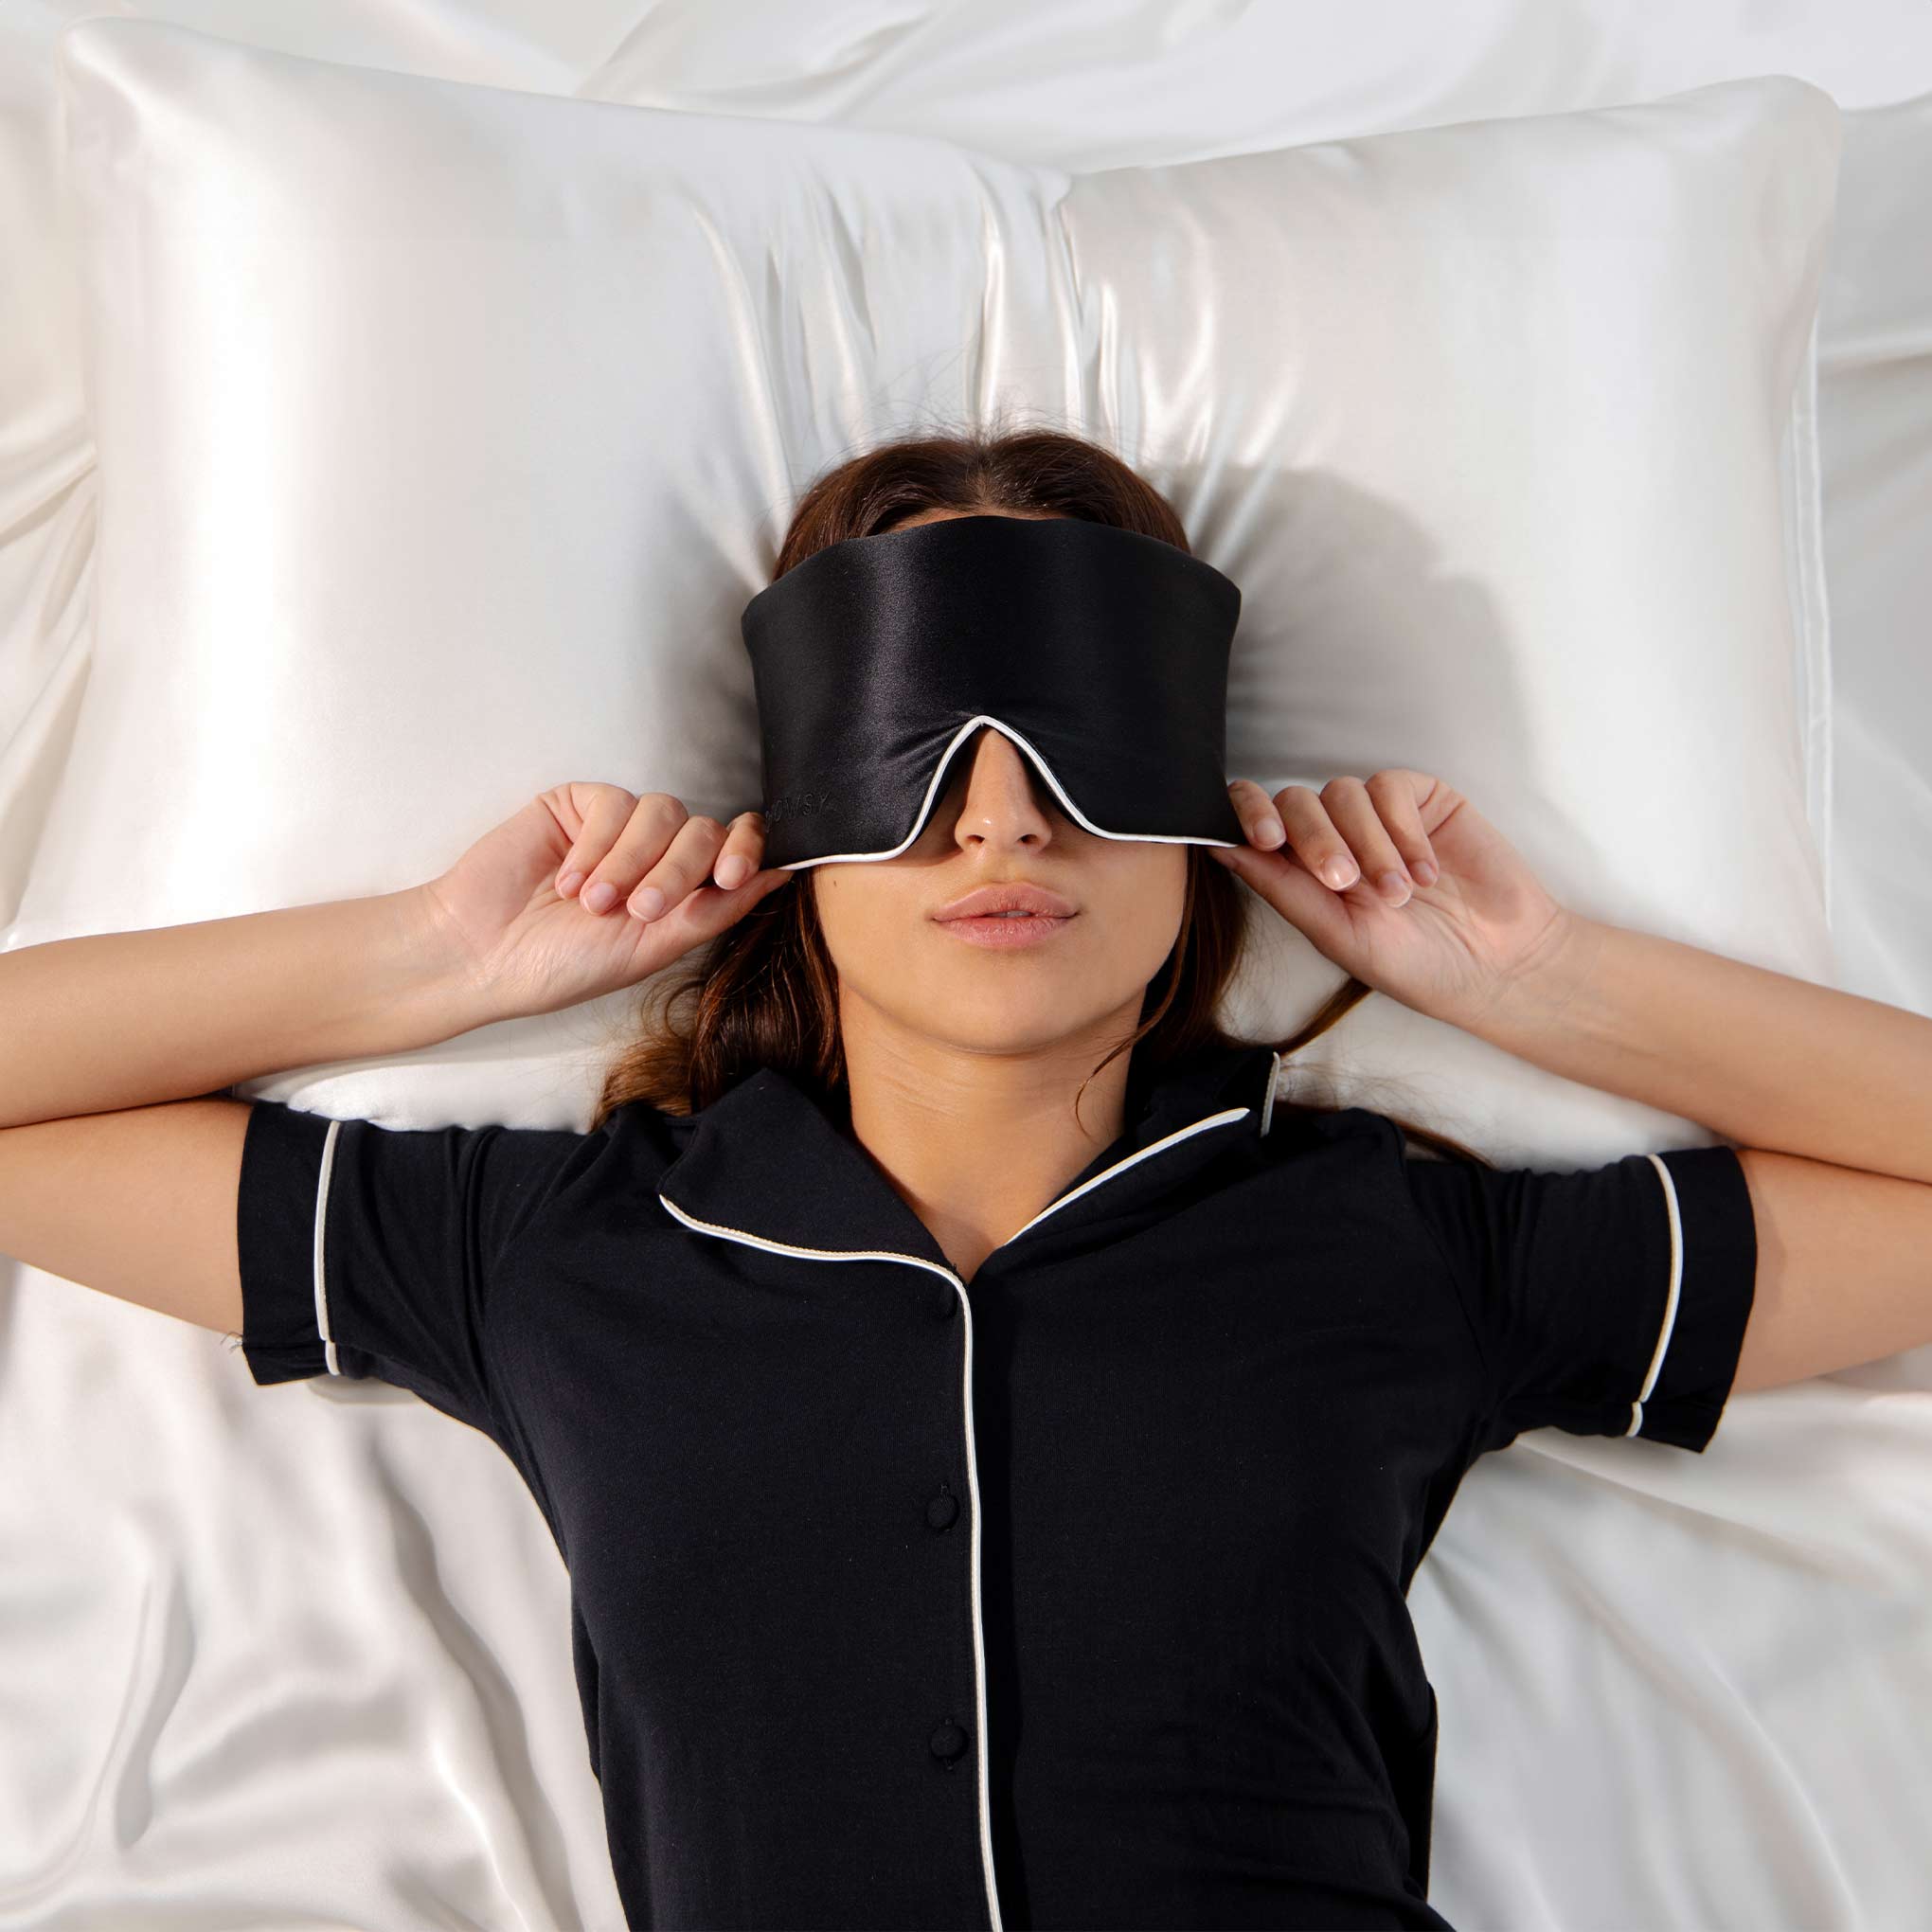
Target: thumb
{"points": [[1291, 890]]}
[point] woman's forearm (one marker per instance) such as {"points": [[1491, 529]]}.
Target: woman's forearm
{"points": [[1759, 1057], [115, 1020]]}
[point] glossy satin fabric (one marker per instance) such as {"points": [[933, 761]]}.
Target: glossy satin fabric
{"points": [[473, 468], [312, 1655], [1101, 652]]}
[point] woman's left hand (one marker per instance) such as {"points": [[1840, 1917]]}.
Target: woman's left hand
{"points": [[1464, 919]]}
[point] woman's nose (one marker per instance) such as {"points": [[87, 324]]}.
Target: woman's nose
{"points": [[1003, 793]]}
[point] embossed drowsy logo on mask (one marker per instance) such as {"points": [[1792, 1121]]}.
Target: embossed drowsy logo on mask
{"points": [[797, 805]]}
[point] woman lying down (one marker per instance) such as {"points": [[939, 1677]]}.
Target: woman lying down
{"points": [[991, 1435]]}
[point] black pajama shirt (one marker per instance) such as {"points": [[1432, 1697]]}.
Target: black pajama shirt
{"points": [[1073, 1596]]}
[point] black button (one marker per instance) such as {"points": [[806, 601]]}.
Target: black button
{"points": [[948, 1740], [943, 1510]]}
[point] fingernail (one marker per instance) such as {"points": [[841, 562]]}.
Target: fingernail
{"points": [[731, 871], [1425, 874], [601, 896], [1340, 872], [649, 902], [1394, 887], [568, 884], [1269, 832]]}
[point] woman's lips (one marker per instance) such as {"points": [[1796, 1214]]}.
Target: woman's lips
{"points": [[1006, 934]]}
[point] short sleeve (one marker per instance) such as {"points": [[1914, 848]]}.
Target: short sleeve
{"points": [[1611, 1301], [370, 1251]]}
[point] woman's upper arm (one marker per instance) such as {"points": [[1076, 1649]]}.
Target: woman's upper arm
{"points": [[1844, 1267], [138, 1203]]}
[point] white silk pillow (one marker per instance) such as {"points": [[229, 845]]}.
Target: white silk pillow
{"points": [[445, 430]]}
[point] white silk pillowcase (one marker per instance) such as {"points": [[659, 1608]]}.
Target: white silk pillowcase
{"points": [[445, 430]]}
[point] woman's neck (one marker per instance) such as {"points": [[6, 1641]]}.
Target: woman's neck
{"points": [[977, 1143]]}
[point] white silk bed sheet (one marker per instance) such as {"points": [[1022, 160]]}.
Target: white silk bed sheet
{"points": [[328, 1682]]}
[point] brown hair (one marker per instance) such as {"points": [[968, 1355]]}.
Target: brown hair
{"points": [[763, 993]]}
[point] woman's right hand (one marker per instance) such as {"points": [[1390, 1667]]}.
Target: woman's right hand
{"points": [[535, 946]]}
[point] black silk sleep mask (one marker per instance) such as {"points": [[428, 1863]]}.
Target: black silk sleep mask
{"points": [[1101, 653]]}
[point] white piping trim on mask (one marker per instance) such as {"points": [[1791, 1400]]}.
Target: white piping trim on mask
{"points": [[1073, 811], [1273, 1078], [1650, 1381]]}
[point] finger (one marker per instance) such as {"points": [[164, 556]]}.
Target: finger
{"points": [[605, 808], [743, 848], [1355, 818], [1256, 811], [1313, 838], [1394, 792], [1303, 900], [639, 842], [703, 914], [685, 864]]}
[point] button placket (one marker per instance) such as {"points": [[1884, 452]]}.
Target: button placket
{"points": [[949, 1740], [965, 1306]]}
